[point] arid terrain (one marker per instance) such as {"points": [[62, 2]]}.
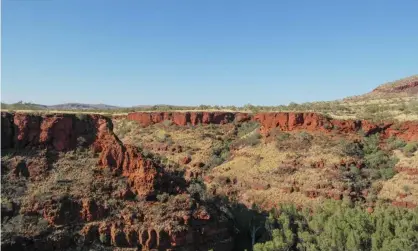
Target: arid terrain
{"points": [[215, 178]]}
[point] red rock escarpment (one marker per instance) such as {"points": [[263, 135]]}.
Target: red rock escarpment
{"points": [[61, 132], [184, 118], [64, 132], [318, 123], [285, 121]]}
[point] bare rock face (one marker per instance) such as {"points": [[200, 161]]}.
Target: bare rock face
{"points": [[182, 118], [145, 179], [314, 122], [61, 132], [285, 121]]}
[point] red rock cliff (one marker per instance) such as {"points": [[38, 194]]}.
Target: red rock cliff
{"points": [[183, 118], [61, 132], [285, 121], [288, 121], [64, 132]]}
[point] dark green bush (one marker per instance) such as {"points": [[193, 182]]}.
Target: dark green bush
{"points": [[371, 144], [197, 190], [352, 149], [335, 226], [379, 160]]}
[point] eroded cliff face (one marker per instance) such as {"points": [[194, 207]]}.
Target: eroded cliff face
{"points": [[184, 118], [284, 121], [145, 178], [314, 122]]}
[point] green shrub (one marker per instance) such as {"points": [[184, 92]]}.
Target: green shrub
{"points": [[197, 190], [253, 139], [335, 226], [214, 161], [377, 159], [387, 173], [380, 160], [371, 144], [352, 149], [163, 197], [282, 136], [304, 136], [293, 142], [247, 127], [220, 153], [410, 148], [394, 143], [163, 137], [104, 238]]}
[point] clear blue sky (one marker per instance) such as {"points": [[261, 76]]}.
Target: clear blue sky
{"points": [[133, 52]]}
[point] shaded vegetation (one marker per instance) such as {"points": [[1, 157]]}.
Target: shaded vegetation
{"points": [[335, 226]]}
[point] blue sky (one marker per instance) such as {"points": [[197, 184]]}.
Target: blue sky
{"points": [[181, 52]]}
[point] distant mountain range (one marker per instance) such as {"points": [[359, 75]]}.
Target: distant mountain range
{"points": [[67, 106], [406, 87], [80, 106]]}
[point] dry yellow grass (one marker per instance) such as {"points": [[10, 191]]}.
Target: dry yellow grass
{"points": [[265, 164], [192, 140], [401, 183], [405, 161]]}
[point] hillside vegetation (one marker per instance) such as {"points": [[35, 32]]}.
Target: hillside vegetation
{"points": [[213, 180]]}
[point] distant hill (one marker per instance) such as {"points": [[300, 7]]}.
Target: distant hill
{"points": [[405, 87], [68, 106], [79, 106], [23, 106]]}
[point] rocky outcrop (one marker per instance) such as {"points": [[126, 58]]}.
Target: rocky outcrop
{"points": [[65, 131], [284, 121], [184, 118], [199, 237], [314, 122], [60, 131], [145, 178]]}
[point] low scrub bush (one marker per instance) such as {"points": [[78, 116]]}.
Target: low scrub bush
{"points": [[163, 137], [336, 226], [380, 160], [352, 149], [246, 128], [410, 148], [394, 143], [220, 153], [163, 197], [251, 140], [197, 190], [294, 142]]}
